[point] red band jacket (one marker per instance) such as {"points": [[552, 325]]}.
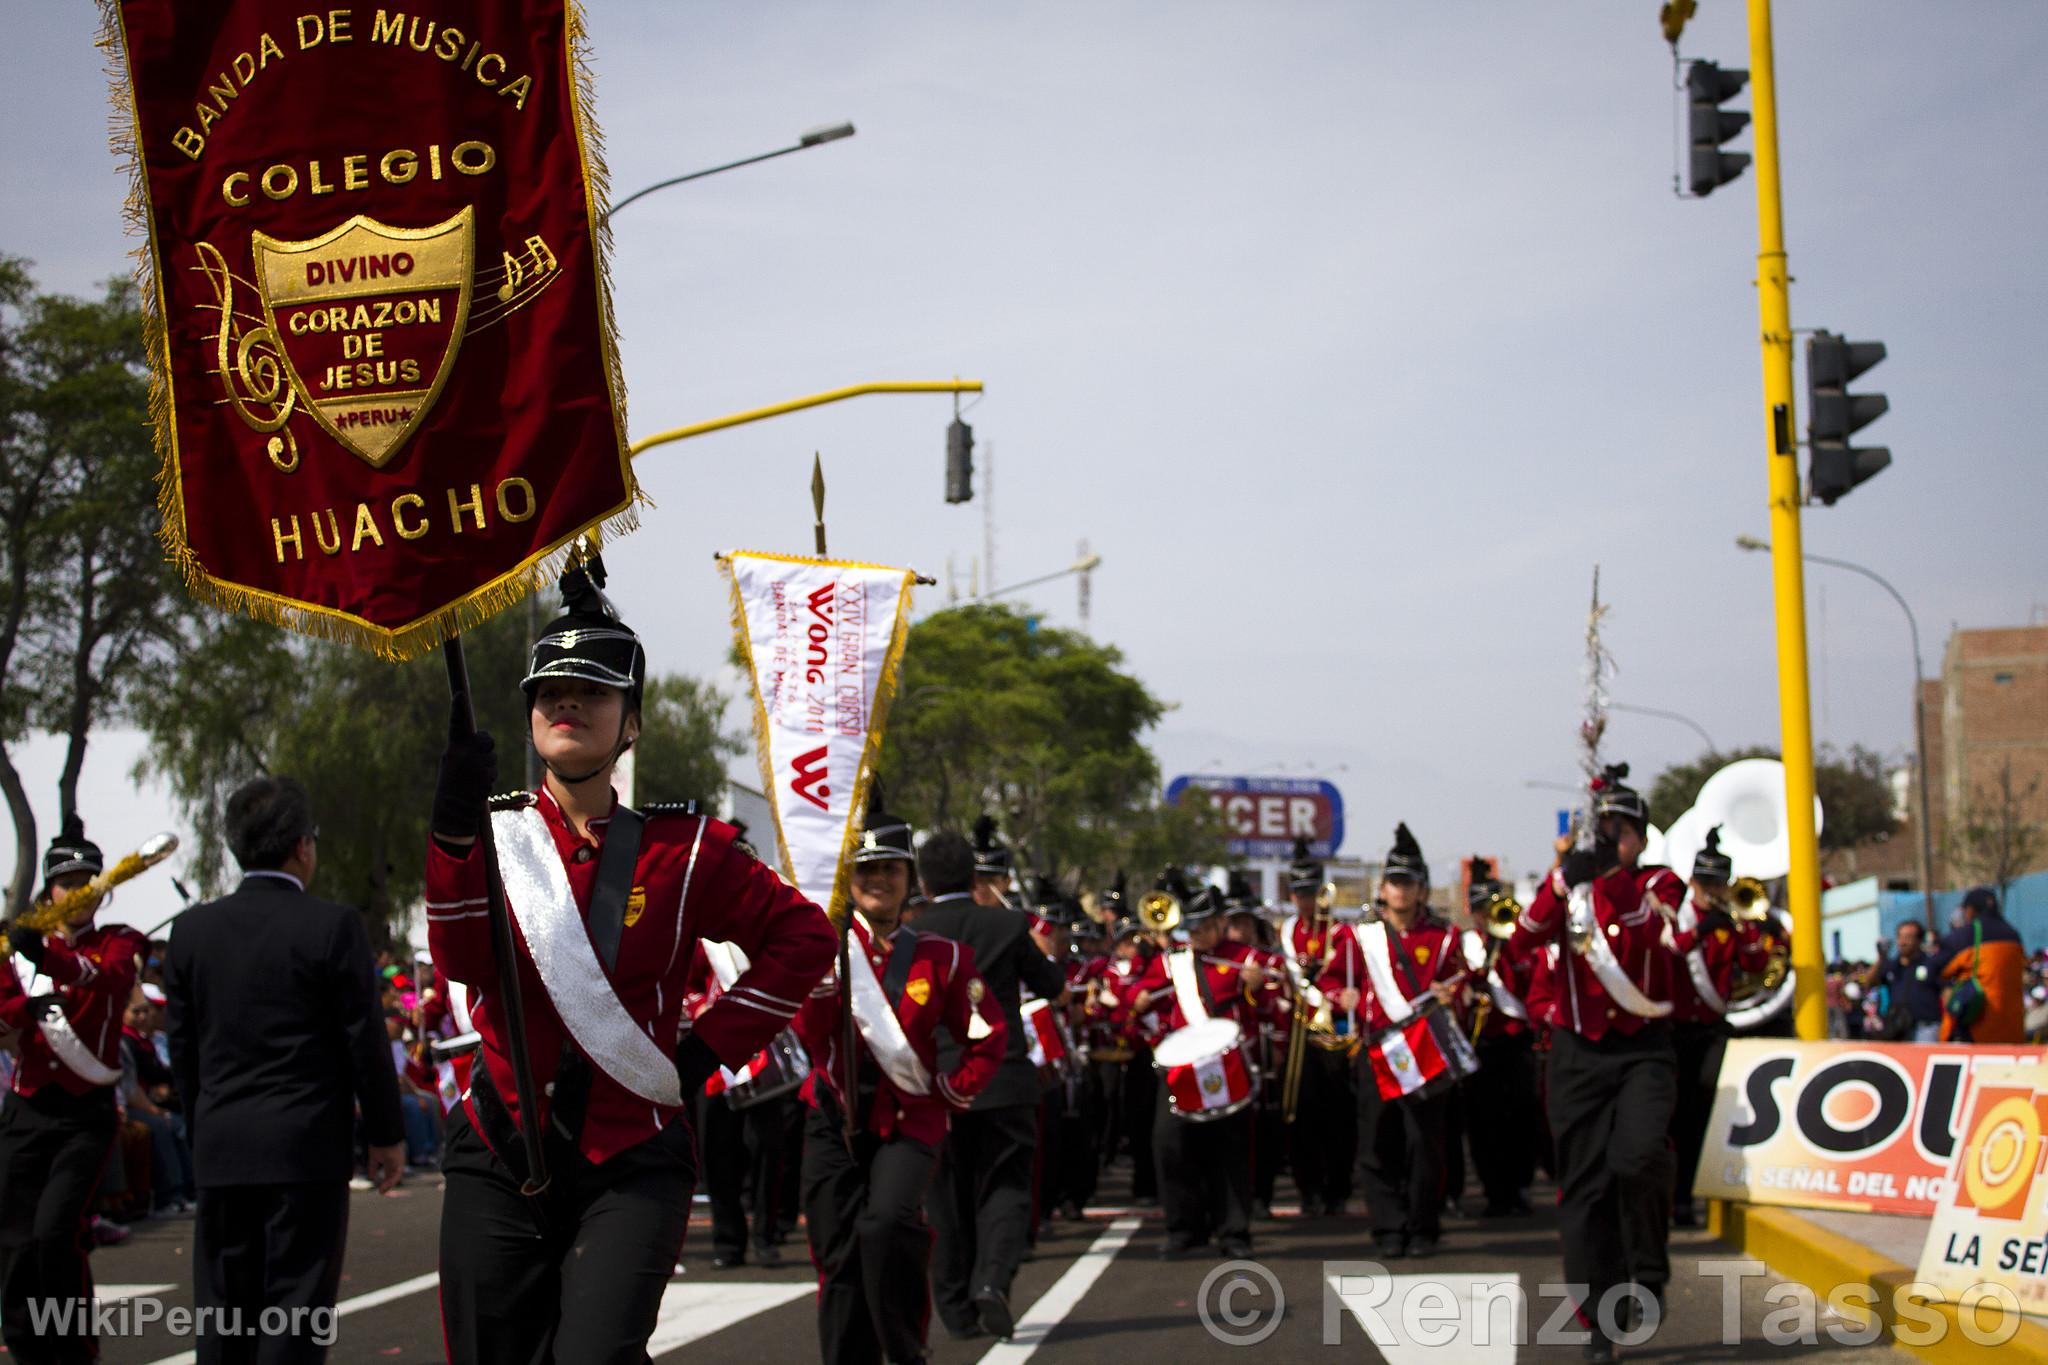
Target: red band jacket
{"points": [[1634, 930], [1433, 954], [689, 883], [1220, 970], [1727, 951], [941, 990], [93, 976]]}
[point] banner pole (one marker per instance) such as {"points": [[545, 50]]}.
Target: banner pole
{"points": [[504, 954], [849, 1038]]}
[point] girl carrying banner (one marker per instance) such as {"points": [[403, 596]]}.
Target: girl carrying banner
{"points": [[607, 906]]}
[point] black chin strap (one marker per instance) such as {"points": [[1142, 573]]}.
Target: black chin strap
{"points": [[617, 749]]}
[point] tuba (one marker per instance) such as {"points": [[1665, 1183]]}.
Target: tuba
{"points": [[1747, 899]]}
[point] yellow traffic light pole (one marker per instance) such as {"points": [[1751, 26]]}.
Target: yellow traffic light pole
{"points": [[799, 404], [1795, 708]]}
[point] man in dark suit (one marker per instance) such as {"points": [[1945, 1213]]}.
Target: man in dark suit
{"points": [[275, 1037], [980, 1202]]}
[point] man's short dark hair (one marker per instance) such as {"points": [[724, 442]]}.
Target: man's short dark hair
{"points": [[265, 820], [946, 864]]}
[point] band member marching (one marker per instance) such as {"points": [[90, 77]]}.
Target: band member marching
{"points": [[607, 906], [1612, 1076], [1323, 1142], [864, 1194], [59, 1121], [1714, 951], [1203, 1153], [1247, 924], [1413, 963], [1502, 1102]]}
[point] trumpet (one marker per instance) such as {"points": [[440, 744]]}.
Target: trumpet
{"points": [[1747, 899], [1326, 896], [60, 910], [1159, 911], [1502, 910]]}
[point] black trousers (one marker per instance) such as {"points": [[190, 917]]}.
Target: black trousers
{"points": [[1610, 1114], [864, 1212], [53, 1150], [980, 1205], [1324, 1144], [1401, 1147], [1269, 1141], [1073, 1127], [573, 1276], [1503, 1118], [1698, 1047], [265, 1247], [1141, 1091], [739, 1149], [1205, 1176]]}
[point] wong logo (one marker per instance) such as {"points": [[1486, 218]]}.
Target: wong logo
{"points": [[809, 781]]}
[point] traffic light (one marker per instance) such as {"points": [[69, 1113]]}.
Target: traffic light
{"points": [[1833, 414], [1707, 86], [959, 462]]}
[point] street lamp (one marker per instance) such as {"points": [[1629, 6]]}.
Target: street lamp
{"points": [[1081, 565], [1919, 711], [816, 137], [1697, 728]]}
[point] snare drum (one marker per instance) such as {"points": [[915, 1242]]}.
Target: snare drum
{"points": [[1208, 1070], [776, 1070]]}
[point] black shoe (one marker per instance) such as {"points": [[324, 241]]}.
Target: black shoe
{"points": [[965, 1331], [1685, 1215], [1421, 1245], [1261, 1209], [728, 1260], [765, 1254], [1391, 1246], [1494, 1210], [994, 1307], [1600, 1351], [1071, 1210], [1237, 1249], [1176, 1249], [1520, 1208], [1630, 1310]]}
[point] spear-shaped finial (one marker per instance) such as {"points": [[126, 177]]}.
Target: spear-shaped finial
{"points": [[818, 499]]}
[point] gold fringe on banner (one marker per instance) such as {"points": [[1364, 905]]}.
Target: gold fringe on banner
{"points": [[538, 571]]}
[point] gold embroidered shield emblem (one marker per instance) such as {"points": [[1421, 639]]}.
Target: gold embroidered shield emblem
{"points": [[919, 990], [368, 318], [636, 905], [1421, 953]]}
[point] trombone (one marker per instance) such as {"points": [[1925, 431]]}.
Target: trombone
{"points": [[1301, 1018], [1502, 910]]}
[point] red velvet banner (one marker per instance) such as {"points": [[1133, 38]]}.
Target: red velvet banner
{"points": [[387, 394]]}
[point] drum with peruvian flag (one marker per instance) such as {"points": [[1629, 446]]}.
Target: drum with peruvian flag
{"points": [[1208, 1075], [1421, 1057]]}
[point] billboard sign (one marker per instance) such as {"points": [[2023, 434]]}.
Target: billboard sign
{"points": [[1266, 815]]}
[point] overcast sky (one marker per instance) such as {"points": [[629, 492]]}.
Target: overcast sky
{"points": [[1351, 335]]}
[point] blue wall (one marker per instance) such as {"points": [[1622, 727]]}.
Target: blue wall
{"points": [[2026, 906]]}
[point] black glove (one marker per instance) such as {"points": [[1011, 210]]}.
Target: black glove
{"points": [[26, 941], [39, 1005], [696, 1063], [469, 769], [1582, 865]]}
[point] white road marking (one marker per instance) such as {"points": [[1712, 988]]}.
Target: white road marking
{"points": [[1053, 1306], [690, 1311], [114, 1293], [1411, 1318], [403, 1289]]}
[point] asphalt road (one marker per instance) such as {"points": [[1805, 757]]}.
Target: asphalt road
{"points": [[1094, 1291]]}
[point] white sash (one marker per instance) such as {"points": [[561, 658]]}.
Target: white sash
{"points": [[1504, 999], [1379, 970], [1180, 966], [728, 961], [1593, 946], [537, 886], [1696, 964], [879, 1027], [67, 1047]]}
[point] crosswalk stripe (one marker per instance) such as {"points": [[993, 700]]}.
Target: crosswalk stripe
{"points": [[690, 1311], [403, 1289], [114, 1293], [1483, 1318], [1055, 1303]]}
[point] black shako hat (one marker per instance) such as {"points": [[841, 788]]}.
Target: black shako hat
{"points": [[1306, 872], [588, 640], [1110, 901], [1405, 859], [1480, 883], [1612, 796], [72, 852], [884, 837], [991, 858], [1240, 896], [1711, 862]]}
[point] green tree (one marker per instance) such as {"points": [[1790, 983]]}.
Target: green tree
{"points": [[1042, 728], [1853, 788], [1997, 840], [683, 746], [365, 736], [89, 608]]}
